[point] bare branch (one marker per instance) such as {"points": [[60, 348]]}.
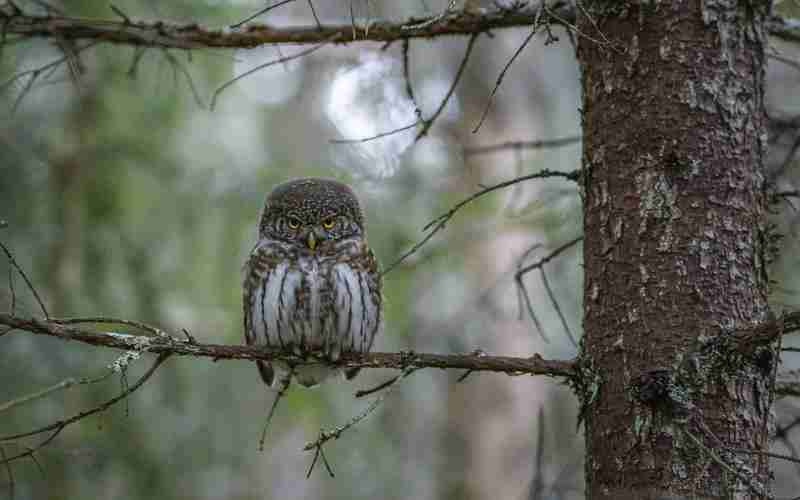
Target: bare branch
{"points": [[189, 80], [539, 264], [9, 473], [519, 145], [535, 365], [314, 13], [25, 277], [748, 339], [59, 426], [553, 301], [262, 11], [734, 469], [770, 454], [427, 124], [192, 35], [33, 74], [374, 137], [784, 28], [120, 13], [333, 434], [280, 60], [64, 384], [441, 221], [502, 75], [786, 388], [451, 5], [407, 77], [552, 255], [284, 386]]}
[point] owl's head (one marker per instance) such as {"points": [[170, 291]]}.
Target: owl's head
{"points": [[309, 212]]}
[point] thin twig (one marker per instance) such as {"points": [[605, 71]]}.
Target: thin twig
{"points": [[593, 21], [64, 384], [522, 271], [572, 27], [374, 137], [281, 60], [34, 74], [433, 20], [333, 434], [407, 77], [716, 458], [427, 124], [189, 80], [770, 454], [120, 13], [439, 222], [520, 263], [314, 13], [785, 60], [12, 291], [519, 145], [59, 426], [552, 255], [27, 280], [9, 473], [502, 75], [553, 301], [188, 336], [317, 453], [537, 483], [529, 307], [284, 382], [262, 11], [379, 387]]}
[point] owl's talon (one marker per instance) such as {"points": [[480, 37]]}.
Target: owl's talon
{"points": [[335, 352]]}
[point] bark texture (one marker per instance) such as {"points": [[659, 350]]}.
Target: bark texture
{"points": [[674, 136]]}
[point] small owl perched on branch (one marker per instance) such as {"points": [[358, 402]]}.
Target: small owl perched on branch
{"points": [[312, 285]]}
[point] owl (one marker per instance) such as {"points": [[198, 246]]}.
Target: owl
{"points": [[312, 285]]}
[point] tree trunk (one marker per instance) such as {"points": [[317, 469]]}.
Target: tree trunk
{"points": [[674, 140]]}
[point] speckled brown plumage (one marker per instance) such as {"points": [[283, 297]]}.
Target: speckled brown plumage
{"points": [[312, 284]]}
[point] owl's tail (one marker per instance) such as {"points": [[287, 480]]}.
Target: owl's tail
{"points": [[267, 373]]}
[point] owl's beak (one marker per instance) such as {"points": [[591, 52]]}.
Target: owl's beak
{"points": [[312, 240]]}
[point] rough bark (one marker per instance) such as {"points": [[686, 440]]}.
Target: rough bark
{"points": [[674, 136]]}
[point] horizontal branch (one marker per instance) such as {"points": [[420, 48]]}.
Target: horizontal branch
{"points": [[784, 28], [520, 145], [166, 344], [784, 388], [194, 36], [747, 340]]}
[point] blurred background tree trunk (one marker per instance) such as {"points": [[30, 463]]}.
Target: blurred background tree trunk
{"points": [[674, 141]]}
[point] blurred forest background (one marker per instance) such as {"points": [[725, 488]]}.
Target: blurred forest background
{"points": [[125, 195]]}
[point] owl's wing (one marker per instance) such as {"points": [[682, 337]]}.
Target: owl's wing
{"points": [[268, 301], [358, 304]]}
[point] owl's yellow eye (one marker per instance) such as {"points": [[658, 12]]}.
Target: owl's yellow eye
{"points": [[328, 223], [294, 223]]}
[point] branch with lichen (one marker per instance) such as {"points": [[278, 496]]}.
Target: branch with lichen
{"points": [[129, 31], [164, 343], [162, 34]]}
